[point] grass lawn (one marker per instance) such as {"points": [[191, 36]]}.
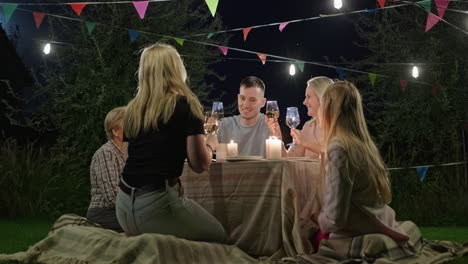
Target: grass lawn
{"points": [[17, 235]]}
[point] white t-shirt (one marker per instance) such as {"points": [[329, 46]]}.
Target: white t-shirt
{"points": [[250, 140]]}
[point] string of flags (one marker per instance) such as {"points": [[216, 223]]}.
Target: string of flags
{"points": [[422, 170]]}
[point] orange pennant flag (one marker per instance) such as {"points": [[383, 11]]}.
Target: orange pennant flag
{"points": [[262, 57], [38, 17], [246, 32], [78, 7]]}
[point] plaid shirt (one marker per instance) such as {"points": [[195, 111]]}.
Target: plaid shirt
{"points": [[106, 166]]}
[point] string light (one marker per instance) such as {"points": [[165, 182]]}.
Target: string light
{"points": [[46, 49], [338, 4], [415, 72], [292, 70]]}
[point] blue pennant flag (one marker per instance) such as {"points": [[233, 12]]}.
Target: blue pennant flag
{"points": [[370, 10], [422, 170], [133, 34], [340, 72]]}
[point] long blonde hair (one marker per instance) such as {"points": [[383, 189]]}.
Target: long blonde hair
{"points": [[343, 121], [319, 84], [161, 78]]}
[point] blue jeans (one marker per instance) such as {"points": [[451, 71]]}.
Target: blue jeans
{"points": [[162, 211]]}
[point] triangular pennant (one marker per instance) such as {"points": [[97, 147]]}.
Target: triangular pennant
{"points": [[340, 72], [426, 4], [382, 3], [422, 170], [90, 26], [434, 89], [404, 84], [133, 34], [223, 49], [441, 7], [38, 17], [180, 41], [210, 35], [141, 7], [431, 21], [212, 5], [78, 7], [8, 10], [300, 65], [246, 32], [282, 26], [262, 57], [372, 77]]}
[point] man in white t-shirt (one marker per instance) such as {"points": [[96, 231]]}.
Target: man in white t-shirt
{"points": [[248, 129]]}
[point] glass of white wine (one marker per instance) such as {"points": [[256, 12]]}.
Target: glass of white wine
{"points": [[211, 123], [292, 120], [272, 110], [218, 110]]}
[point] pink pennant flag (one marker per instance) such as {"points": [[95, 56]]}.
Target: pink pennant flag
{"points": [[78, 7], [431, 21], [38, 17], [246, 32], [141, 7], [262, 57], [434, 89], [223, 49], [441, 6], [382, 3], [282, 26], [404, 84]]}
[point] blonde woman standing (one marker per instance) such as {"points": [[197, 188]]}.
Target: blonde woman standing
{"points": [[357, 188], [163, 125]]}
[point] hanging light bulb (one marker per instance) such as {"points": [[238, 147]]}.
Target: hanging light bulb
{"points": [[46, 49], [338, 4], [292, 70], [415, 72]]}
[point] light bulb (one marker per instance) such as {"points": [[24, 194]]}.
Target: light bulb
{"points": [[415, 72], [46, 49], [292, 70], [338, 4]]}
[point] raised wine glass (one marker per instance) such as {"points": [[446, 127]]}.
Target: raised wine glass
{"points": [[292, 120], [272, 110], [211, 123]]}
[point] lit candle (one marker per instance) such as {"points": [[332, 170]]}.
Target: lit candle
{"points": [[232, 149], [273, 148]]}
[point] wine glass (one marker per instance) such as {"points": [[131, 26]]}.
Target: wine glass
{"points": [[218, 110], [211, 123], [272, 110], [292, 120]]}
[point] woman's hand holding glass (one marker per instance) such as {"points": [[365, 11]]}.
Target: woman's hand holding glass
{"points": [[292, 120]]}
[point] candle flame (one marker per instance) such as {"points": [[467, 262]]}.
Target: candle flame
{"points": [[232, 141]]}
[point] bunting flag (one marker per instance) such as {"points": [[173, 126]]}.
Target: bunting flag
{"points": [[224, 50], [404, 84], [340, 72], [210, 35], [434, 89], [262, 57], [324, 15], [441, 7], [246, 32], [431, 21], [426, 4], [282, 26], [212, 5], [8, 10], [141, 7], [180, 41], [78, 7], [382, 3], [133, 35], [300, 65], [38, 17], [370, 10], [372, 77], [90, 26], [422, 170]]}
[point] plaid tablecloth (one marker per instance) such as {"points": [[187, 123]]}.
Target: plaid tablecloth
{"points": [[265, 206]]}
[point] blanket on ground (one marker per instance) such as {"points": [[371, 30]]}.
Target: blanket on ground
{"points": [[73, 240]]}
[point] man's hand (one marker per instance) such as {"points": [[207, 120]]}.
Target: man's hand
{"points": [[274, 127]]}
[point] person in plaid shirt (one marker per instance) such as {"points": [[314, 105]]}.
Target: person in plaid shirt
{"points": [[106, 166]]}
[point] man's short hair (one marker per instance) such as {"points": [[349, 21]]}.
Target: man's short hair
{"points": [[253, 81], [113, 119]]}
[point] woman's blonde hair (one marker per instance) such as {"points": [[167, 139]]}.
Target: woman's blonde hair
{"points": [[161, 78], [113, 119], [319, 84], [343, 121]]}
